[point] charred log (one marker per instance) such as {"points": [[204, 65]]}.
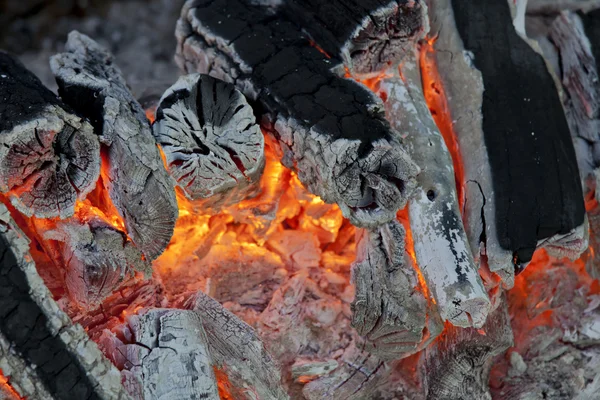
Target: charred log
{"points": [[331, 129], [68, 363], [49, 156], [208, 133], [368, 36], [137, 181], [556, 6]]}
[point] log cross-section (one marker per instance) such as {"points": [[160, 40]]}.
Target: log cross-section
{"points": [[137, 181], [49, 157], [332, 130]]}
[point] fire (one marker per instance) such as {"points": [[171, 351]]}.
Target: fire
{"points": [[372, 82], [316, 46], [6, 389]]}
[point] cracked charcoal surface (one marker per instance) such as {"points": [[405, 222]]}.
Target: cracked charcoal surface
{"points": [[49, 157], [534, 170], [332, 130], [137, 181]]}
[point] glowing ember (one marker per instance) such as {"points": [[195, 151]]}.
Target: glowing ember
{"points": [[6, 390]]}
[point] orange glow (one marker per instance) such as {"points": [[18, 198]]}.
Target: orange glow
{"points": [[151, 113], [316, 46], [372, 82], [223, 384], [6, 388], [438, 106]]}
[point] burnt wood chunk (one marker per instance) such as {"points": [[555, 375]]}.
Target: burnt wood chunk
{"points": [[557, 6], [208, 133], [366, 35], [332, 130], [49, 157], [535, 176], [137, 181]]}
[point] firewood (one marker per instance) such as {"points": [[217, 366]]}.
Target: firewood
{"points": [[68, 363], [457, 365], [556, 6], [331, 129], [168, 357], [213, 146], [389, 308], [441, 246], [49, 157], [137, 181], [236, 348], [368, 36], [94, 255]]}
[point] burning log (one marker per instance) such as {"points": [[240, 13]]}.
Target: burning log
{"points": [[168, 357], [441, 246], [331, 129], [138, 184], [458, 364], [208, 133], [389, 310], [68, 364], [556, 6], [49, 156], [236, 348], [368, 36]]}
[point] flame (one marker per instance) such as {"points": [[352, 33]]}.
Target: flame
{"points": [[7, 389], [438, 106], [371, 82]]}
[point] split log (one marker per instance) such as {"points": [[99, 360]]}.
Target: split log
{"points": [[458, 364], [49, 157], [208, 133], [236, 348], [167, 357], [94, 256], [441, 246], [331, 129], [389, 308], [137, 181], [557, 6], [68, 363], [368, 36]]}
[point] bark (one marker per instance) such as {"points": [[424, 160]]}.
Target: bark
{"points": [[368, 36], [331, 129], [213, 147], [68, 364], [441, 245], [137, 181], [556, 6], [49, 156], [236, 348]]}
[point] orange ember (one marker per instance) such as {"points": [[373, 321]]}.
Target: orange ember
{"points": [[371, 82], [6, 389], [316, 46], [438, 105]]}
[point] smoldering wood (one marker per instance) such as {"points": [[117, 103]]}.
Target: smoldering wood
{"points": [[49, 157], [331, 129], [525, 130], [389, 308], [557, 6], [137, 181], [236, 348], [208, 133], [67, 362], [94, 256], [441, 245], [168, 357], [367, 36], [458, 364]]}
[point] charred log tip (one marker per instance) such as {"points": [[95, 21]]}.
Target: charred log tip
{"points": [[209, 135]]}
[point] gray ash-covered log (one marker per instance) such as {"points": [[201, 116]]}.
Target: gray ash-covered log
{"points": [[368, 36], [213, 147], [332, 130], [49, 157], [137, 181]]}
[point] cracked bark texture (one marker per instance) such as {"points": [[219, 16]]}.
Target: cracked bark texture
{"points": [[49, 157], [441, 245], [367, 36], [331, 129], [556, 6], [236, 348], [389, 308], [213, 147], [137, 181], [68, 364]]}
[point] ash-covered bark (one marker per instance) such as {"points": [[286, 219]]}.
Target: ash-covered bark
{"points": [[368, 36], [137, 181], [331, 130], [49, 157], [68, 363], [208, 133], [556, 6]]}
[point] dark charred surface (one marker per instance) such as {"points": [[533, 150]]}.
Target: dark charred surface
{"points": [[534, 169], [591, 23]]}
